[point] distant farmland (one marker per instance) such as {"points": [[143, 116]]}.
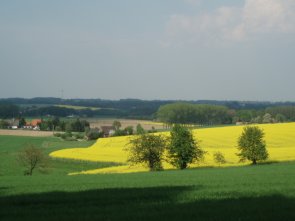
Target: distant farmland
{"points": [[147, 125], [78, 107]]}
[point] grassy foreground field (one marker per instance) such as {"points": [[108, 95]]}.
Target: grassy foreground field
{"points": [[264, 192], [280, 142]]}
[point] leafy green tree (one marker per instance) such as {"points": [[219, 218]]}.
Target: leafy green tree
{"points": [[117, 124], [287, 111], [69, 127], [257, 120], [79, 125], [183, 149], [55, 122], [267, 118], [76, 125], [22, 122], [93, 134], [280, 118], [251, 145], [244, 115], [120, 132], [31, 158], [46, 125], [147, 149], [129, 130], [4, 124], [187, 113], [139, 129]]}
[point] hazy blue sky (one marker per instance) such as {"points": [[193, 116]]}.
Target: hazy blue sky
{"points": [[148, 49]]}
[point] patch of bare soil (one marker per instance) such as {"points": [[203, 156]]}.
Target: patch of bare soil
{"points": [[29, 133]]}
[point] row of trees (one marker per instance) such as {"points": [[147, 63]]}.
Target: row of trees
{"points": [[182, 149], [95, 133], [270, 115], [129, 130], [187, 113], [56, 124]]}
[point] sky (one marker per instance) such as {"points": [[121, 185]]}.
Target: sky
{"points": [[148, 49]]}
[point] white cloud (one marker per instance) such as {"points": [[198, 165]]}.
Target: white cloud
{"points": [[268, 16], [255, 17]]}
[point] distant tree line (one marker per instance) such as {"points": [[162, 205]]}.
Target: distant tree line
{"points": [[133, 104], [277, 114], [195, 112], [187, 113], [127, 108]]}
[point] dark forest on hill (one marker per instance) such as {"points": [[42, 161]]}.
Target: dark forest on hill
{"points": [[169, 111]]}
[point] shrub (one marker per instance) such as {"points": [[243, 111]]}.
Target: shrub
{"points": [[219, 158], [66, 135], [93, 134], [57, 134], [79, 135]]}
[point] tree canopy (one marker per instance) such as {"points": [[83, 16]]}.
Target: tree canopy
{"points": [[31, 158], [183, 148], [186, 113], [147, 149], [251, 145]]}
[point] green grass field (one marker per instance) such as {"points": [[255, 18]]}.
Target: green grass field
{"points": [[10, 145], [263, 192]]}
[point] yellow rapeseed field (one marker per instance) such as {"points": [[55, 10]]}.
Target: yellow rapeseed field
{"points": [[280, 140]]}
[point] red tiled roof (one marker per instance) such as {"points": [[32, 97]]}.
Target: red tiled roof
{"points": [[35, 122]]}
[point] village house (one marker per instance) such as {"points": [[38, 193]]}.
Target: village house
{"points": [[33, 125], [107, 130]]}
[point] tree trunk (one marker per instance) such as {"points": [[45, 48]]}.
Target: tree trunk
{"points": [[183, 165], [254, 162]]}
